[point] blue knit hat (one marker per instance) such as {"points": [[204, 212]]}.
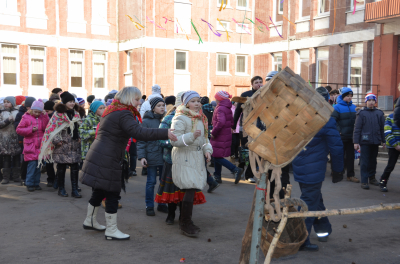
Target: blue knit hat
{"points": [[95, 105], [189, 95], [370, 96]]}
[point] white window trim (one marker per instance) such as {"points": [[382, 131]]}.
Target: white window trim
{"points": [[325, 14], [228, 6], [317, 67], [358, 55], [357, 8], [243, 8], [274, 63], [218, 28], [301, 17], [227, 65], [1, 66], [44, 66], [39, 15], [186, 71], [7, 11], [303, 60], [105, 69], [279, 23], [245, 73], [128, 62], [69, 68]]}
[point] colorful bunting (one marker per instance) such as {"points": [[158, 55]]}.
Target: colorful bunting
{"points": [[227, 34], [155, 23], [137, 25], [222, 3], [242, 26], [211, 28], [290, 22], [262, 22], [177, 21], [195, 29], [275, 27]]}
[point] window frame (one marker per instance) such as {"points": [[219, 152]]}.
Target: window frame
{"points": [[301, 17], [357, 55], [319, 8], [359, 8], [303, 60], [227, 64], [105, 69], [219, 27], [240, 29], [128, 62], [12, 10], [44, 66], [274, 9], [274, 62], [228, 4], [317, 59], [69, 68], [186, 64], [246, 58], [242, 7], [2, 55]]}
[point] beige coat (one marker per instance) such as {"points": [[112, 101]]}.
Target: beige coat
{"points": [[188, 162]]}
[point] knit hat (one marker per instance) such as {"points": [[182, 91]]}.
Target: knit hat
{"points": [[95, 105], [49, 105], [189, 95], [38, 105], [346, 91], [19, 99], [204, 100], [370, 96], [90, 98], [179, 97], [81, 101], [113, 92], [170, 100], [154, 101], [29, 101], [270, 75], [222, 95], [11, 99], [156, 89], [67, 97], [213, 103], [54, 97], [56, 90], [322, 91]]}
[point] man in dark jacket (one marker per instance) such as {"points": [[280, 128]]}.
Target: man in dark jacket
{"points": [[396, 113], [309, 168], [368, 135], [345, 115]]}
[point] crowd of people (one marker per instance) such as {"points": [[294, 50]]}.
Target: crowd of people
{"points": [[177, 139]]}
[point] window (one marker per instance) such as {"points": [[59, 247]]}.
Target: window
{"points": [[76, 68], [225, 25], [183, 16], [305, 8], [323, 8], [37, 65], [241, 64], [360, 4], [322, 66], [9, 59], [355, 64], [278, 11], [35, 8], [181, 60], [99, 69], [128, 61], [242, 3], [9, 6], [277, 61], [75, 10], [242, 28], [222, 63], [304, 56], [226, 2], [99, 11]]}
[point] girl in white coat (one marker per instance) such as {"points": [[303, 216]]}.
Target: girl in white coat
{"points": [[189, 154]]}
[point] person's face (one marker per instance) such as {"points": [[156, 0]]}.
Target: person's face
{"points": [[36, 113], [100, 110], [7, 104], [49, 112], [70, 105], [371, 103], [257, 84], [348, 98], [194, 104], [83, 105], [159, 109], [136, 101]]}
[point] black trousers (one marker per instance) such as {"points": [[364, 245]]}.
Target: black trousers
{"points": [[24, 169], [133, 156], [11, 161], [348, 154], [393, 157], [235, 145], [51, 175], [111, 200]]}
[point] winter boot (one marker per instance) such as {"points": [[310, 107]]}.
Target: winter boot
{"points": [[383, 185], [74, 181], [6, 175], [16, 174], [171, 213], [55, 183], [112, 232], [185, 223], [373, 181], [61, 180], [91, 219], [217, 178]]}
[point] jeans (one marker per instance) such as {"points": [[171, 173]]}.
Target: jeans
{"points": [[150, 184], [369, 153], [111, 200], [133, 156], [393, 157], [219, 162], [312, 196], [348, 155], [33, 174]]}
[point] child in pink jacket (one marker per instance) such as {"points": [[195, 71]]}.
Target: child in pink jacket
{"points": [[32, 127]]}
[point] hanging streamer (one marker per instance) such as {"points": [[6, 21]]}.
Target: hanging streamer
{"points": [[137, 25], [155, 23], [275, 26], [211, 28], [195, 29], [166, 19], [258, 27], [242, 26], [354, 10], [140, 21], [334, 17], [222, 3], [290, 22], [227, 34], [181, 29], [309, 83], [262, 22]]}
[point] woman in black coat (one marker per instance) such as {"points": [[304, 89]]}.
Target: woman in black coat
{"points": [[102, 167]]}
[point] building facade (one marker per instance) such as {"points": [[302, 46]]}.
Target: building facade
{"points": [[94, 46]]}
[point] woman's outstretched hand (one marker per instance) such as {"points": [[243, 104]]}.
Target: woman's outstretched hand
{"points": [[171, 135], [208, 157]]}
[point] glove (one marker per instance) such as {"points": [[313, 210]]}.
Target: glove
{"points": [[337, 176]]}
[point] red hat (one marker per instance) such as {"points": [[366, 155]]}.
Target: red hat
{"points": [[222, 95], [19, 99]]}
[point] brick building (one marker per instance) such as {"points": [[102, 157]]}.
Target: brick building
{"points": [[89, 48]]}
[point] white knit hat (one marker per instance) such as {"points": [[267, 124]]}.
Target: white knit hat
{"points": [[156, 89]]}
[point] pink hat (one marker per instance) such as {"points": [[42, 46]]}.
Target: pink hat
{"points": [[222, 95], [38, 105]]}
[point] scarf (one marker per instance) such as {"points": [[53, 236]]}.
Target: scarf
{"points": [[75, 135], [194, 116], [57, 123]]}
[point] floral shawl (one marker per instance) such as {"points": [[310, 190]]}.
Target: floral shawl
{"points": [[194, 116], [118, 106]]}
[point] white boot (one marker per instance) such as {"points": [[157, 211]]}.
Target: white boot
{"points": [[112, 231], [90, 221]]}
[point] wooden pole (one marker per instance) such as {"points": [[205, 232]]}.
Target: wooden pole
{"points": [[348, 211]]}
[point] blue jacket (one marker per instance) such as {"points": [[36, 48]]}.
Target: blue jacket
{"points": [[309, 166], [345, 115], [392, 133]]}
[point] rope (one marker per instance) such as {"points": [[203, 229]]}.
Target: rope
{"points": [[276, 153]]}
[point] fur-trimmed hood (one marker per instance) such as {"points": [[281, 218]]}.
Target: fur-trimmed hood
{"points": [[62, 108]]}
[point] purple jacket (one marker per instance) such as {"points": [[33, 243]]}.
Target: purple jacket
{"points": [[222, 133]]}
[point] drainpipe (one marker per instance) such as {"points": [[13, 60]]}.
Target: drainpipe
{"points": [[117, 23], [58, 42], [288, 35]]}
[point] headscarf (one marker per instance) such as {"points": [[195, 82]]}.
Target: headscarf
{"points": [[194, 116]]}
